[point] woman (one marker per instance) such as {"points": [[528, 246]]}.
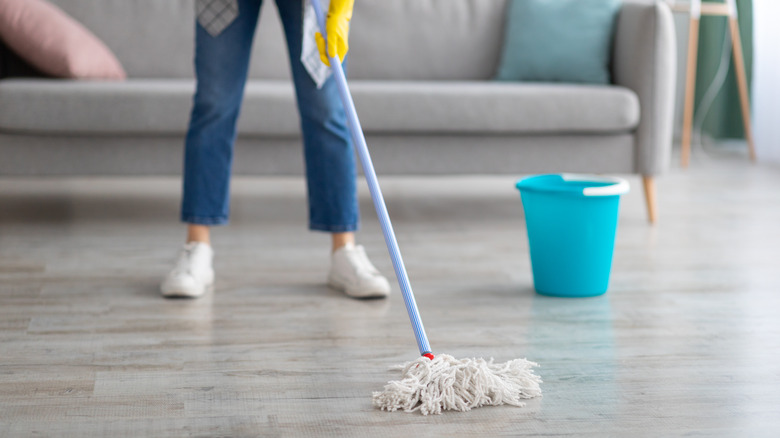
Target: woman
{"points": [[223, 43]]}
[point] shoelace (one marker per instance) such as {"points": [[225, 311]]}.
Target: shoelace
{"points": [[183, 264]]}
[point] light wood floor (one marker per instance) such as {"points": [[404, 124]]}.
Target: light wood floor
{"points": [[686, 342]]}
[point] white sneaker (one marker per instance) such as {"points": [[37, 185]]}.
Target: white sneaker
{"points": [[352, 273], [193, 274]]}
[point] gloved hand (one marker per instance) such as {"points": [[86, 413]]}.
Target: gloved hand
{"points": [[337, 27]]}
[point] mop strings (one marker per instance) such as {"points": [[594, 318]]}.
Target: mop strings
{"points": [[446, 383]]}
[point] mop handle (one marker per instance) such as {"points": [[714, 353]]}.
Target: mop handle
{"points": [[376, 192]]}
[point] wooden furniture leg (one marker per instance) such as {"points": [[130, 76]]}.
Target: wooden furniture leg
{"points": [[690, 90], [729, 10], [652, 211], [739, 69]]}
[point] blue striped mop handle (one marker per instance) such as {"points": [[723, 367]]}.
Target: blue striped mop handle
{"points": [[376, 193]]}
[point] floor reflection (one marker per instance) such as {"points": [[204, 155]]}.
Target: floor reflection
{"points": [[573, 340]]}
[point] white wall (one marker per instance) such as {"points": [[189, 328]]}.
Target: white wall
{"points": [[766, 79]]}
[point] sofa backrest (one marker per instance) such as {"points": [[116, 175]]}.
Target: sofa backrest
{"points": [[390, 39]]}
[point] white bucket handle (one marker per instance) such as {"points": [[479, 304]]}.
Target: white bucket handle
{"points": [[617, 186]]}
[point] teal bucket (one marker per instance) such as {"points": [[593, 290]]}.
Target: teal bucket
{"points": [[571, 221]]}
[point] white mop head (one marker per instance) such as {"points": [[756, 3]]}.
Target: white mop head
{"points": [[446, 383]]}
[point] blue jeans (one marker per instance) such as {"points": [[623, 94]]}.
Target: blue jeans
{"points": [[221, 65]]}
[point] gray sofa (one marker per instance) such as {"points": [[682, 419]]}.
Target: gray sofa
{"points": [[420, 74]]}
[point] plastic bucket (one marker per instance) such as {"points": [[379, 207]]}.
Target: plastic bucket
{"points": [[571, 221]]}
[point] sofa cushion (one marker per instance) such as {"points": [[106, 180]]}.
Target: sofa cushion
{"points": [[492, 107], [162, 107], [59, 46], [562, 41]]}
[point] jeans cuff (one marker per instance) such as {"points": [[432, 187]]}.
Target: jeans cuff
{"points": [[204, 220], [334, 228]]}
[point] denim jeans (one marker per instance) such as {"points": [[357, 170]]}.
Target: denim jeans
{"points": [[221, 65]]}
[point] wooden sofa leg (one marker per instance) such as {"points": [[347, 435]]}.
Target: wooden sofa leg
{"points": [[649, 184]]}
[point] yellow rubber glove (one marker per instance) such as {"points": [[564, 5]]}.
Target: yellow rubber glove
{"points": [[337, 27]]}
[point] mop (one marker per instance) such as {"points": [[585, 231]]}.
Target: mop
{"points": [[431, 383]]}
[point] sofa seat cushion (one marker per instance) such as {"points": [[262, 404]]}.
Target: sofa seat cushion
{"points": [[494, 107], [140, 106]]}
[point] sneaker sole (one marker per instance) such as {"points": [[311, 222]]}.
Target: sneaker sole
{"points": [[180, 293], [342, 288]]}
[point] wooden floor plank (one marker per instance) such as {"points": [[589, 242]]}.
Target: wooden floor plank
{"points": [[685, 342]]}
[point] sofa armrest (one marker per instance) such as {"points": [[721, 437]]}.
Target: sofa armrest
{"points": [[644, 60]]}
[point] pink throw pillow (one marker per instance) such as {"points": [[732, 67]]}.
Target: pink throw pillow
{"points": [[49, 39]]}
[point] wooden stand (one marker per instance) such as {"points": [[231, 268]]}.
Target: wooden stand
{"points": [[729, 9], [652, 210]]}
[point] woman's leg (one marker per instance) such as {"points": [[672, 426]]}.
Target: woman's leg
{"points": [[221, 66], [198, 233], [329, 156], [340, 240], [330, 169]]}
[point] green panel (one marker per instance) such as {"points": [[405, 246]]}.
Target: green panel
{"points": [[724, 118]]}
